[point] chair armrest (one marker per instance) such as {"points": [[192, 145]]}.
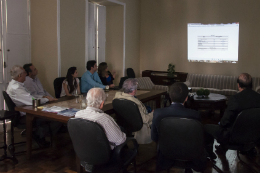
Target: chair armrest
{"points": [[119, 148], [257, 89], [161, 87], [187, 83]]}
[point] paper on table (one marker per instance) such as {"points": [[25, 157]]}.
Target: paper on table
{"points": [[69, 112], [54, 109]]}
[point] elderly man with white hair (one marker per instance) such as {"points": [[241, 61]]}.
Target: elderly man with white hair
{"points": [[95, 101], [16, 90], [143, 136], [20, 96]]}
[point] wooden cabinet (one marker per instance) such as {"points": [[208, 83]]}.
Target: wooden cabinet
{"points": [[161, 78]]}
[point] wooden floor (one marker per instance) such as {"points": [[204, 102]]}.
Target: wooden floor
{"points": [[61, 157]]}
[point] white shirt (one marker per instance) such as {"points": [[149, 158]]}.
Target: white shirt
{"points": [[114, 135], [35, 87], [20, 95], [63, 93]]}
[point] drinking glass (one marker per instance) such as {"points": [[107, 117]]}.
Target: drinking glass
{"points": [[76, 92], [80, 98], [83, 104]]}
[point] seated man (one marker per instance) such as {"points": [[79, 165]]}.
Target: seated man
{"points": [[33, 84], [129, 90], [20, 96], [90, 78], [179, 94], [95, 100], [245, 99]]}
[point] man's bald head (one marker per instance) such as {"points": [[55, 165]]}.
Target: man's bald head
{"points": [[245, 81]]}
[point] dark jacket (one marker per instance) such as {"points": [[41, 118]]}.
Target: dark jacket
{"points": [[174, 110], [104, 79], [243, 100]]}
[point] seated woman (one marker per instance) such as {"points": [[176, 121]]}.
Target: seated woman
{"points": [[105, 76], [70, 85]]}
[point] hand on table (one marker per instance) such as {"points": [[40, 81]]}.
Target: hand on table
{"points": [[50, 98], [111, 86]]}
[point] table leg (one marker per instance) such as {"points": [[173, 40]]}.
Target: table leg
{"points": [[222, 112], [158, 102], [79, 167], [29, 122]]}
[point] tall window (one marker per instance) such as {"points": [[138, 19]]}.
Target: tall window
{"points": [[96, 32]]}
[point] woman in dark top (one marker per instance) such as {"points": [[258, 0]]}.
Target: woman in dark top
{"points": [[105, 76]]}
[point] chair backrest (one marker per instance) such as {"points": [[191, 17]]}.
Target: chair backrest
{"points": [[9, 102], [122, 80], [246, 128], [128, 115], [130, 73], [89, 141], [181, 138], [58, 86], [11, 107]]}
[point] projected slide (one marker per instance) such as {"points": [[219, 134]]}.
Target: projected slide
{"points": [[213, 43]]}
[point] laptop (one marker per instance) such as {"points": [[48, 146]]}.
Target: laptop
{"points": [[122, 80]]}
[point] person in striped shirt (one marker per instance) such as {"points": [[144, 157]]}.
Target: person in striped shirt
{"points": [[95, 101]]}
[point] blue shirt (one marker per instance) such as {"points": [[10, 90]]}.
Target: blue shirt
{"points": [[89, 81], [108, 79]]}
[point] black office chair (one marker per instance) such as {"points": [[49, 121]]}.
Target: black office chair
{"points": [[18, 122], [58, 86], [244, 133], [130, 73], [128, 116], [91, 145], [182, 140], [79, 79], [15, 121], [122, 80]]}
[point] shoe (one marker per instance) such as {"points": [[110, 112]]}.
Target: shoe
{"points": [[43, 143], [63, 129], [220, 150], [40, 141], [188, 170], [251, 152]]}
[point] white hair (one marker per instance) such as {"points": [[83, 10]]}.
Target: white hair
{"points": [[130, 85], [16, 71], [95, 97]]}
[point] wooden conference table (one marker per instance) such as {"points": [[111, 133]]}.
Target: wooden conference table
{"points": [[71, 102]]}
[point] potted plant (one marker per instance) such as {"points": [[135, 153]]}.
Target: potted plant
{"points": [[171, 70], [203, 93], [206, 93], [200, 92]]}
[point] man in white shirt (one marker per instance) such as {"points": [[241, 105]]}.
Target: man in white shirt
{"points": [[20, 96], [16, 90], [95, 100], [33, 84]]}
